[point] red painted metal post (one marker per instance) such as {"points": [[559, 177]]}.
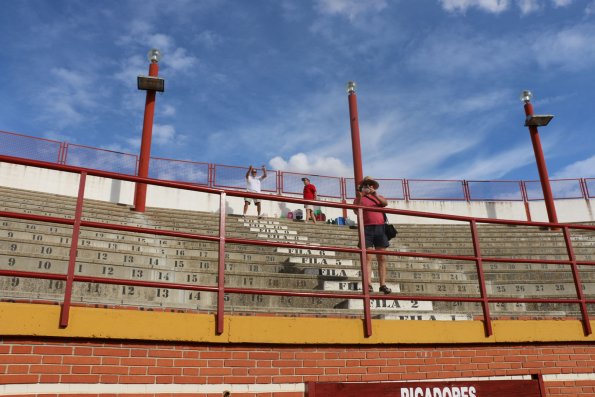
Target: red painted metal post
{"points": [[466, 191], [480, 276], [344, 196], [583, 185], [577, 281], [76, 227], [221, 272], [355, 141], [358, 177], [365, 278], [140, 194], [541, 168], [525, 199]]}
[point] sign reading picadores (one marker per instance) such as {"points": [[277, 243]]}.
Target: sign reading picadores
{"points": [[472, 388]]}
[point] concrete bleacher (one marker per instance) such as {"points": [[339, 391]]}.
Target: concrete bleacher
{"points": [[44, 247]]}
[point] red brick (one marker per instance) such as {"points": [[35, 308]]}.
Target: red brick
{"points": [[20, 359], [80, 369], [79, 378], [110, 351], [18, 349], [137, 361], [51, 360], [17, 369], [49, 378], [83, 351], [215, 371], [108, 378], [164, 371], [49, 369], [190, 379], [109, 369], [136, 379], [48, 350], [139, 353], [81, 360], [263, 355]]}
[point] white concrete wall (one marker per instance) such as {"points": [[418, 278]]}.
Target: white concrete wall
{"points": [[56, 182]]}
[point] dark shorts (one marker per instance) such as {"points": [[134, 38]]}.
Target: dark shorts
{"points": [[375, 236]]}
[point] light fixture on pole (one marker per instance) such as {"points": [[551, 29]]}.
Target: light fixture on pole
{"points": [[533, 121], [151, 83]]}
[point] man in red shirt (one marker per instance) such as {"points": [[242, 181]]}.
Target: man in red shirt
{"points": [[309, 194], [374, 228]]}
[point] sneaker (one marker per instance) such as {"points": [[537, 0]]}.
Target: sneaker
{"points": [[385, 289]]}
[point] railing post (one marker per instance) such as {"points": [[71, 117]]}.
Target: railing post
{"points": [[76, 227], [577, 281], [406, 189], [466, 191], [344, 197], [64, 153], [211, 183], [587, 193], [221, 271], [525, 197], [480, 276], [60, 153], [583, 184], [365, 278]]}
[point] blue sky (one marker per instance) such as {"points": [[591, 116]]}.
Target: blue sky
{"points": [[263, 81]]}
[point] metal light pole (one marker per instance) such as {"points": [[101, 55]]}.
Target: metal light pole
{"points": [[533, 121], [355, 142], [151, 84], [358, 175]]}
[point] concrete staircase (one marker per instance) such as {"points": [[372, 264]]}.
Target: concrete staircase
{"points": [[44, 247]]}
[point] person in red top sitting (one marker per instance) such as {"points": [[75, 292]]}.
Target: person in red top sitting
{"points": [[309, 194], [374, 228]]}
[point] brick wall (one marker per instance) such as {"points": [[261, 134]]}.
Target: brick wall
{"points": [[47, 361]]}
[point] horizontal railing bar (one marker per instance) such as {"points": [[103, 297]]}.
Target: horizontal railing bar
{"points": [[253, 291]]}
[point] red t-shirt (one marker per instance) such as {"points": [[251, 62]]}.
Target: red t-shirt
{"points": [[309, 192], [371, 217]]}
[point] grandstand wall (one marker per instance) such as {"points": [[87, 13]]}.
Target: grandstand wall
{"points": [[122, 192]]}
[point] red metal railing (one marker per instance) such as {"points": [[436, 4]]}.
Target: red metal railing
{"points": [[232, 177], [326, 186], [221, 289]]}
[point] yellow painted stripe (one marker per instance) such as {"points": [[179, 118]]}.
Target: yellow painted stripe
{"points": [[21, 319]]}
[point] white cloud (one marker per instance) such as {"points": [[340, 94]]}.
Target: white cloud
{"points": [[579, 169], [590, 8], [493, 6], [455, 52], [571, 49], [493, 166], [141, 34], [528, 6], [179, 60], [72, 94], [133, 143], [166, 110], [165, 134], [350, 8], [498, 6], [209, 39], [310, 164]]}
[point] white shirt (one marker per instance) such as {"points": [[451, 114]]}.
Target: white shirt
{"points": [[253, 184]]}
